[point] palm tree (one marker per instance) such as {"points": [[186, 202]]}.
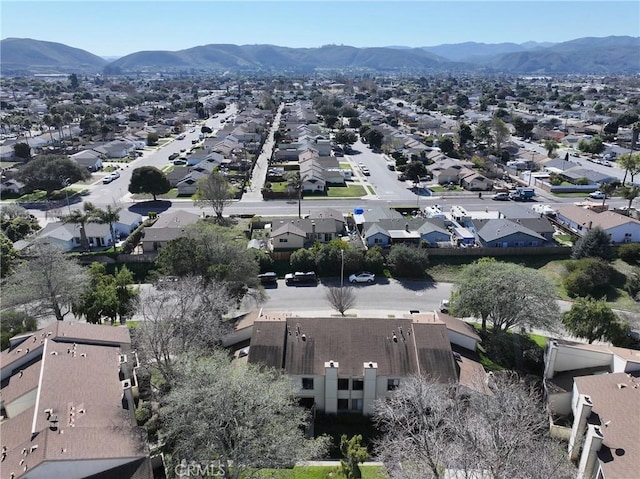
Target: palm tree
{"points": [[630, 193], [294, 183], [108, 216], [81, 217], [46, 119], [57, 123], [550, 146], [607, 189]]}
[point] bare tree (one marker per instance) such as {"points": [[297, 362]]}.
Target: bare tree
{"points": [[341, 298], [415, 440], [242, 416], [432, 428], [49, 282], [214, 191], [187, 317]]}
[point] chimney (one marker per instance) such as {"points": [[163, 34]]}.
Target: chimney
{"points": [[128, 401], [592, 443]]}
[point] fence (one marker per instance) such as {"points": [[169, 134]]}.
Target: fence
{"points": [[510, 251]]}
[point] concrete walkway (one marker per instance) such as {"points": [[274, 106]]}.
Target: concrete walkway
{"points": [[259, 174]]}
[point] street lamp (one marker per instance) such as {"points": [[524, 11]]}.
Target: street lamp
{"points": [[66, 183], [342, 269]]}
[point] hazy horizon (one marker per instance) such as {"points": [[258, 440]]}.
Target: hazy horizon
{"points": [[118, 28]]}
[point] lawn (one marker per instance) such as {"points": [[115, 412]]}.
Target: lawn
{"points": [[319, 472], [173, 193], [349, 191]]}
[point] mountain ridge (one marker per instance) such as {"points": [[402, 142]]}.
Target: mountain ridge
{"points": [[587, 55]]}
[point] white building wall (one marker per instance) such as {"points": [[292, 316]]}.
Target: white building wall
{"points": [[626, 233], [621, 365], [462, 340], [330, 387], [588, 458], [568, 358], [369, 392]]}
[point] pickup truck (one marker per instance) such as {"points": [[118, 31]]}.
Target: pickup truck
{"points": [[300, 278], [522, 194]]}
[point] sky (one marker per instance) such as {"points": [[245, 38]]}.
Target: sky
{"points": [[117, 28]]}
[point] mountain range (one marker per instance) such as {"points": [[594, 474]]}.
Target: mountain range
{"points": [[589, 55]]}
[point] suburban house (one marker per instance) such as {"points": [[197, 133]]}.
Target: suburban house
{"points": [[67, 235], [90, 159], [177, 173], [68, 400], [290, 234], [474, 181], [504, 233], [127, 222], [168, 226], [345, 366], [620, 228], [593, 397], [313, 177], [119, 148], [188, 185], [386, 232], [12, 186], [287, 236]]}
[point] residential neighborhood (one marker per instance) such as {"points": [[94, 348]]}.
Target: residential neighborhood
{"points": [[154, 227]]}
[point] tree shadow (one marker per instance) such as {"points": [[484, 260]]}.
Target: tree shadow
{"points": [[146, 207], [416, 284]]}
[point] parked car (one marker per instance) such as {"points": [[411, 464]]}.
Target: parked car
{"points": [[173, 156], [180, 162], [444, 306], [300, 278], [268, 279], [363, 277], [501, 196], [597, 195], [110, 177], [182, 150]]}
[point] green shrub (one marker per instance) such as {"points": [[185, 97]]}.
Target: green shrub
{"points": [[587, 277], [629, 253], [408, 261], [143, 413], [632, 285]]}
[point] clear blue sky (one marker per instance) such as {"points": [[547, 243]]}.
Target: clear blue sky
{"points": [[116, 28]]}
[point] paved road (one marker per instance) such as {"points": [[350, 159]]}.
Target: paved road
{"points": [[117, 191], [384, 297]]}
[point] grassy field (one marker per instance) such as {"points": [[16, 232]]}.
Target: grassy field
{"points": [[318, 472]]}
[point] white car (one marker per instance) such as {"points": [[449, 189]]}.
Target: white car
{"points": [[597, 195], [110, 177], [363, 277]]}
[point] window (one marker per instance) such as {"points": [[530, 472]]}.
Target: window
{"points": [[356, 404], [343, 384], [307, 383], [343, 404], [357, 385], [377, 240], [392, 384], [283, 240]]}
